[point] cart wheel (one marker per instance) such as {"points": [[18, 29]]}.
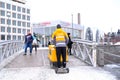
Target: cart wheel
{"points": [[56, 70], [67, 70]]}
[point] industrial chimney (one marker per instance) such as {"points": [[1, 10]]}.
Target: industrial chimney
{"points": [[78, 16]]}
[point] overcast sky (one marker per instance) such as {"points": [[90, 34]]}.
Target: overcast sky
{"points": [[104, 14]]}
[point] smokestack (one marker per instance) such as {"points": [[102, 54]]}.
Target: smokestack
{"points": [[78, 18]]}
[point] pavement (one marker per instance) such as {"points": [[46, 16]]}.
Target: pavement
{"points": [[37, 67]]}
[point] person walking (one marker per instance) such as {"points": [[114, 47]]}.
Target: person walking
{"points": [[60, 39], [28, 42], [35, 42], [69, 44]]}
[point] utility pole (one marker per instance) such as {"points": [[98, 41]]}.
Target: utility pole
{"points": [[72, 25]]}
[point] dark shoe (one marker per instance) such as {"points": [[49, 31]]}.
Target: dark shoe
{"points": [[25, 54]]}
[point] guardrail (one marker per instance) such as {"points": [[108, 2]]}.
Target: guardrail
{"points": [[108, 54], [85, 50], [94, 54], [8, 48]]}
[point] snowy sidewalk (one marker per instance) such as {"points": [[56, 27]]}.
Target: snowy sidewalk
{"points": [[37, 67], [45, 73]]}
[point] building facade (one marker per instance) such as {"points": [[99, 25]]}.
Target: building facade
{"points": [[14, 19], [45, 30]]}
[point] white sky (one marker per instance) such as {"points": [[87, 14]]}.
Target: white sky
{"points": [[104, 14]]}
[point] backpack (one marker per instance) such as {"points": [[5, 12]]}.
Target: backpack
{"points": [[34, 41]]}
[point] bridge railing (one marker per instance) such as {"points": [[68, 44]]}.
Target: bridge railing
{"points": [[108, 54], [8, 48], [94, 54], [85, 50]]}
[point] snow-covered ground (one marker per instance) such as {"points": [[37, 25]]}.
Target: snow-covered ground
{"points": [[45, 73]]}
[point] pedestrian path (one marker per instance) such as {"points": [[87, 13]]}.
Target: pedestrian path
{"points": [[36, 67]]}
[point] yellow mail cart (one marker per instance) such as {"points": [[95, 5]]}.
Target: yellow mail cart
{"points": [[52, 56]]}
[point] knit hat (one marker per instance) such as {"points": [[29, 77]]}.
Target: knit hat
{"points": [[58, 26], [68, 33]]}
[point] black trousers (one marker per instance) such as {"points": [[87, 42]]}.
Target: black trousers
{"points": [[35, 47], [69, 50], [61, 51]]}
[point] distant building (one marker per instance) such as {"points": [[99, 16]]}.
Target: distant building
{"points": [[14, 19], [45, 29], [112, 37]]}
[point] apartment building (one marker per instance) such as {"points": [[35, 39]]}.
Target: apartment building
{"points": [[14, 19]]}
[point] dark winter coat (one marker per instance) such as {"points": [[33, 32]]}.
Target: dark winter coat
{"points": [[28, 38], [69, 43]]}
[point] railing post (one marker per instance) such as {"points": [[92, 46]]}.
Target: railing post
{"points": [[94, 55], [100, 57]]}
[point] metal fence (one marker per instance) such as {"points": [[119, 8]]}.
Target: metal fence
{"points": [[94, 54], [85, 50], [8, 48], [108, 54]]}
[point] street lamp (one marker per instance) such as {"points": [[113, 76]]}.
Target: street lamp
{"points": [[72, 25], [8, 29]]}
